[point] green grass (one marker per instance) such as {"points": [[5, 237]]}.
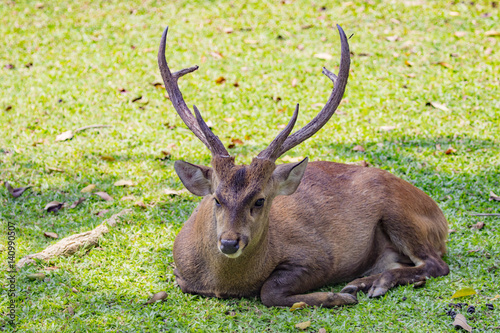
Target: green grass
{"points": [[82, 55]]}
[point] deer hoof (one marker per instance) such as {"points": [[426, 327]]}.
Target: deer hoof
{"points": [[376, 291], [350, 289]]}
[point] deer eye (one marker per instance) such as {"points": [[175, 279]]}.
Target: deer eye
{"points": [[259, 203], [217, 202]]}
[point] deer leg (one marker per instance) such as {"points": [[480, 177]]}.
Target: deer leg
{"points": [[288, 286], [433, 266], [362, 284]]}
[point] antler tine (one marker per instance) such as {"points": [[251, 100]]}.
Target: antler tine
{"points": [[331, 105], [204, 134], [215, 145], [271, 152]]}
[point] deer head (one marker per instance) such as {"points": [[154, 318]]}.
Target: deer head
{"points": [[241, 195]]}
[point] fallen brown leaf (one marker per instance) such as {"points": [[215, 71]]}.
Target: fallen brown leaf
{"points": [[102, 212], [104, 196], [55, 169], [294, 82], [450, 151], [158, 85], [439, 106], [228, 30], [16, 192], [303, 325], [76, 203], [74, 290], [88, 188], [108, 158], [128, 198], [454, 14], [160, 296], [467, 291], [36, 276], [392, 38], [358, 148], [492, 33], [445, 64], [124, 183], [53, 206], [216, 55], [298, 306], [169, 191], [493, 196], [460, 34], [70, 310], [220, 80], [49, 234], [461, 322], [479, 225], [250, 41], [51, 268], [68, 135], [324, 56], [140, 204], [408, 63], [229, 120]]}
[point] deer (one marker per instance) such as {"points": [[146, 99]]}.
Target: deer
{"points": [[279, 232]]}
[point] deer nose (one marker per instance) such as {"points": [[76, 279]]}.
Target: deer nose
{"points": [[229, 246]]}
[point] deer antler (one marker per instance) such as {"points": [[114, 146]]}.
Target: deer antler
{"points": [[282, 143], [196, 125]]}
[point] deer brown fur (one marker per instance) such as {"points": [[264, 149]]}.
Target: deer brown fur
{"points": [[280, 231]]}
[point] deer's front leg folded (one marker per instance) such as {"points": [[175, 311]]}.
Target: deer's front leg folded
{"points": [[287, 286]]}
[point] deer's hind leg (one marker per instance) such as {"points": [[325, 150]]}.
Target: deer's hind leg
{"points": [[413, 253]]}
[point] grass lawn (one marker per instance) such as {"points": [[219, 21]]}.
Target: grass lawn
{"points": [[422, 100]]}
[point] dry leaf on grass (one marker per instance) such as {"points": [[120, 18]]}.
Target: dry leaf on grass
{"points": [[53, 206], [50, 235], [229, 120], [322, 330], [220, 80], [68, 135], [460, 34], [70, 310], [128, 198], [439, 106], [104, 196], [124, 183], [408, 63], [493, 196], [467, 291], [445, 64], [216, 55], [160, 296], [294, 82], [250, 41], [461, 322], [169, 191], [88, 188], [358, 148], [392, 38], [140, 204], [54, 169], [303, 325], [324, 56], [16, 192], [76, 203], [228, 30], [102, 212], [298, 306], [36, 276], [492, 33], [450, 151], [479, 225], [108, 158]]}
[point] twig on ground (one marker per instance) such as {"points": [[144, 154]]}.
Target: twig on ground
{"points": [[71, 244], [91, 126]]}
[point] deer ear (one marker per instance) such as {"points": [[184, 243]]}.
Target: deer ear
{"points": [[289, 176], [196, 178]]}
